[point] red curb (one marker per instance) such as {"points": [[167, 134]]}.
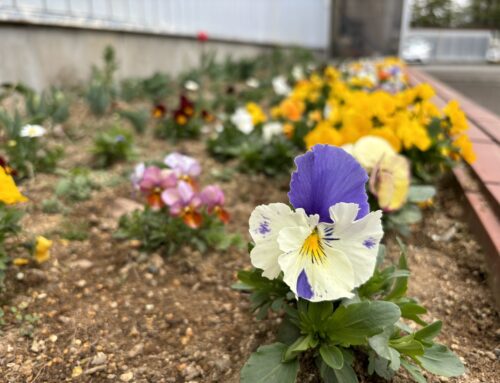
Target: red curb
{"points": [[482, 192]]}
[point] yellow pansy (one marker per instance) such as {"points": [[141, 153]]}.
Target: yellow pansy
{"points": [[464, 144], [412, 133], [323, 133], [458, 121], [258, 115], [9, 193], [42, 249], [390, 182], [369, 150]]}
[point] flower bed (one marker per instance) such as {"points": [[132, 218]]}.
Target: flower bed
{"points": [[105, 308]]}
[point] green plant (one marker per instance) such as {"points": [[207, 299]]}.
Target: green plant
{"points": [[111, 146], [102, 89], [156, 230], [27, 154], [77, 185], [137, 118], [333, 333], [9, 226]]}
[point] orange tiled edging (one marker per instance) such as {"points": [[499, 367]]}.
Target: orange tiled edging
{"points": [[480, 183]]}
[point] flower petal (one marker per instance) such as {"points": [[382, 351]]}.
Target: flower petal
{"points": [[328, 275], [357, 239], [265, 223], [327, 175]]}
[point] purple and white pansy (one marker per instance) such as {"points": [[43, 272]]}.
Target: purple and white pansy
{"points": [[328, 245]]}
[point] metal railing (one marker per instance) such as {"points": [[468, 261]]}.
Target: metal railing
{"points": [[454, 45]]}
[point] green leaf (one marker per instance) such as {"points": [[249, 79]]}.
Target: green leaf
{"points": [[344, 375], [407, 345], [288, 333], [302, 344], [265, 366], [429, 332], [332, 356], [414, 371], [410, 310], [439, 360], [401, 284], [352, 325], [421, 193]]}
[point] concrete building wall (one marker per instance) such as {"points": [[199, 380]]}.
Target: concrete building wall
{"points": [[42, 56]]}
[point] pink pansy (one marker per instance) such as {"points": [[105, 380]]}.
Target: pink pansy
{"points": [[185, 167], [212, 197], [184, 202], [154, 182]]}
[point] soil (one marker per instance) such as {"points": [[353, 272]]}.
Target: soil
{"points": [[109, 313]]}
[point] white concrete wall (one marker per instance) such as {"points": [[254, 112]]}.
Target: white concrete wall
{"points": [[43, 56], [285, 22]]}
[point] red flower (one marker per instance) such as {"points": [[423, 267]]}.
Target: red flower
{"points": [[202, 36]]}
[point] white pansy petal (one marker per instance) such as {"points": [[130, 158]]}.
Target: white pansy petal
{"points": [[266, 221], [311, 270], [264, 256], [359, 240]]}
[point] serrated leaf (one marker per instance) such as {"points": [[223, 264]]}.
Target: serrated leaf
{"points": [[265, 366], [332, 356], [439, 360]]}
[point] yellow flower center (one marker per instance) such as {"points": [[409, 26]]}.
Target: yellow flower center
{"points": [[313, 248]]}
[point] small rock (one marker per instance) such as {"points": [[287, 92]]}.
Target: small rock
{"points": [[127, 376], [77, 371], [223, 363], [491, 355], [53, 338], [98, 359], [83, 264], [123, 206], [136, 350], [191, 372]]}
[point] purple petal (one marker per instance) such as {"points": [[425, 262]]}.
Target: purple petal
{"points": [[327, 175], [304, 289]]}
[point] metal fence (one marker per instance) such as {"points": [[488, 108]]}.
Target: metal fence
{"points": [[454, 45], [282, 22]]}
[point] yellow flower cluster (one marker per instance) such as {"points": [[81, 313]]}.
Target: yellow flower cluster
{"points": [[341, 106]]}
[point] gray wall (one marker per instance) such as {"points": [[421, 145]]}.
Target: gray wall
{"points": [[366, 27], [42, 56]]}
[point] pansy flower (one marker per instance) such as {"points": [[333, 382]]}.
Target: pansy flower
{"points": [[137, 175], [154, 181], [328, 245], [9, 193], [212, 197], [185, 203], [186, 106], [159, 111], [185, 168]]}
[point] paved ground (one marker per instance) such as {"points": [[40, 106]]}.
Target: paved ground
{"points": [[481, 83]]}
